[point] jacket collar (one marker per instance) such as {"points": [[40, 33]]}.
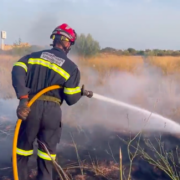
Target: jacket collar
{"points": [[58, 49]]}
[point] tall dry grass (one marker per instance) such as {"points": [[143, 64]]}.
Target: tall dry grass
{"points": [[123, 63], [168, 64], [6, 63]]}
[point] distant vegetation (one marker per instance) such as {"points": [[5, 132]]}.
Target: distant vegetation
{"points": [[86, 46], [147, 52]]}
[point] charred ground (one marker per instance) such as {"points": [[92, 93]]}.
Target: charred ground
{"points": [[94, 153]]}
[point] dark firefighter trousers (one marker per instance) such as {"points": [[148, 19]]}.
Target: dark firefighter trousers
{"points": [[43, 122]]}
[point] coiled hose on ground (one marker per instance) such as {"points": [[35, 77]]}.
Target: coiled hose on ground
{"points": [[18, 124]]}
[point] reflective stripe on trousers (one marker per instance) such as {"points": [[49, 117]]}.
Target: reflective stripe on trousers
{"points": [[24, 152], [45, 156], [41, 154]]}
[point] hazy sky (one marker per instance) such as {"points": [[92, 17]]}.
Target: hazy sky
{"points": [[120, 24]]}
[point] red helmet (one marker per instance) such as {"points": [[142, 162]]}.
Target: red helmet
{"points": [[66, 31]]}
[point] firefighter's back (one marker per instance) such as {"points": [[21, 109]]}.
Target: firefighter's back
{"points": [[46, 68]]}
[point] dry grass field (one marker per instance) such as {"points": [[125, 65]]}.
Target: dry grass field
{"points": [[93, 152], [168, 64], [122, 63]]}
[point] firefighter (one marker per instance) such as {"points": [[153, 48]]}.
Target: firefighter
{"points": [[31, 74]]}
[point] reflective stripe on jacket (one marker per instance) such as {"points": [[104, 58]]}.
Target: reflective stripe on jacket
{"points": [[41, 69]]}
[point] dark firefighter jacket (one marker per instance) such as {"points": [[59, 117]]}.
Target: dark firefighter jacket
{"points": [[41, 69]]}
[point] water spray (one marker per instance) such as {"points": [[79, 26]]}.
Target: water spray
{"points": [[173, 125]]}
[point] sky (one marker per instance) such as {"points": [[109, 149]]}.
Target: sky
{"points": [[139, 24]]}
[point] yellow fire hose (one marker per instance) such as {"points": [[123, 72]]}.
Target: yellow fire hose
{"points": [[14, 155]]}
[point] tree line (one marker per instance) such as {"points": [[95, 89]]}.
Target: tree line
{"points": [[147, 52], [87, 46]]}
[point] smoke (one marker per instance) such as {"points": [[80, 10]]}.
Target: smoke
{"points": [[7, 125], [148, 89], [42, 28]]}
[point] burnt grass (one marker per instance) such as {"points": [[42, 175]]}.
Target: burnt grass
{"points": [[98, 150]]}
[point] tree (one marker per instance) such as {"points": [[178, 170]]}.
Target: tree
{"points": [[86, 46], [131, 51], [109, 50]]}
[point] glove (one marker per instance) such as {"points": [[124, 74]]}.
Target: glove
{"points": [[22, 109], [87, 93]]}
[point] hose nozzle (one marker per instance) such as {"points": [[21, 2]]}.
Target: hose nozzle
{"points": [[87, 93]]}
